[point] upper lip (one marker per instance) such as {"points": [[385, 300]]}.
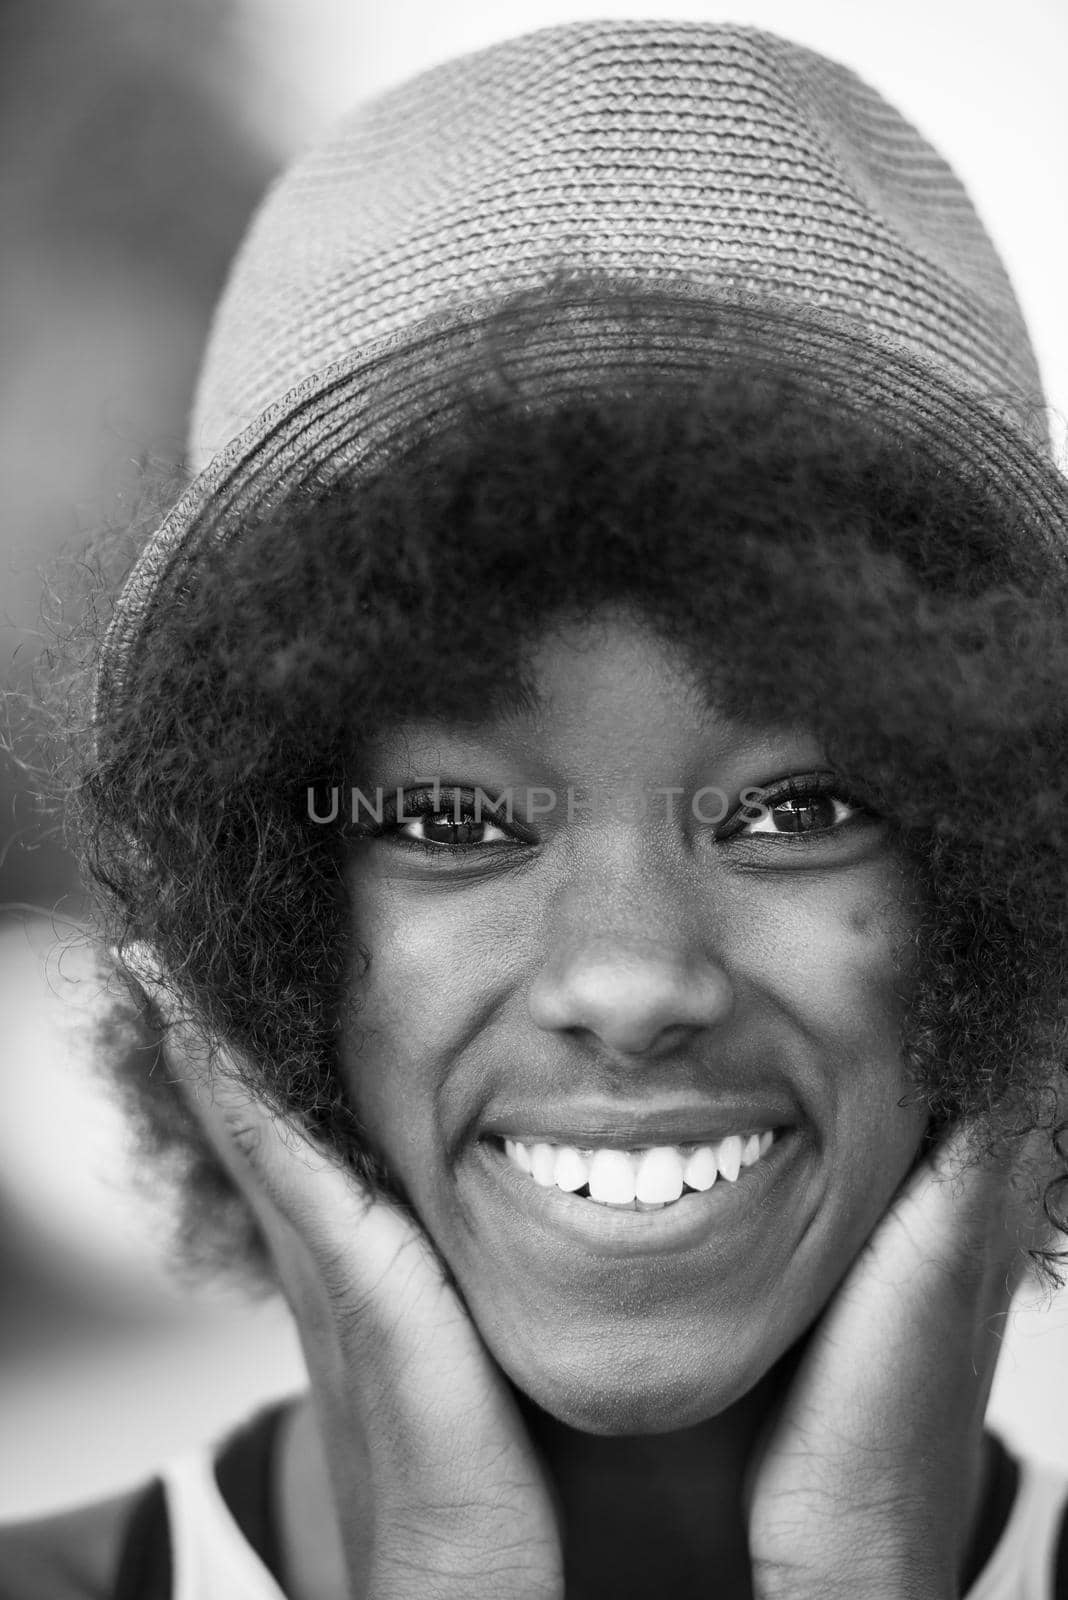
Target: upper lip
{"points": [[615, 1125]]}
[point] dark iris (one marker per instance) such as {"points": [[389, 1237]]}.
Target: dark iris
{"points": [[443, 829], [802, 816]]}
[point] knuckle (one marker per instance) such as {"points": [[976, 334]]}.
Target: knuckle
{"points": [[245, 1137]]}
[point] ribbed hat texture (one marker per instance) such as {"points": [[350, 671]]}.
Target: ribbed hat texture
{"points": [[754, 188]]}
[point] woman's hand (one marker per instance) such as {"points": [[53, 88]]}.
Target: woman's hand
{"points": [[867, 1479], [412, 1408]]}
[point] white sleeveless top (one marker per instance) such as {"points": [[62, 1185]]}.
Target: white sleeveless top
{"points": [[212, 1560], [1021, 1567], [210, 1556]]}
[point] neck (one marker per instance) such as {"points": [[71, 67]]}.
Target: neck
{"points": [[639, 1514], [652, 1513]]}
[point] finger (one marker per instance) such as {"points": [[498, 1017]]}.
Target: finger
{"points": [[974, 1189], [303, 1195], [197, 1064], [960, 1228]]}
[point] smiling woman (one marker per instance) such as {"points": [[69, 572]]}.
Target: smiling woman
{"points": [[644, 1084], [624, 991]]}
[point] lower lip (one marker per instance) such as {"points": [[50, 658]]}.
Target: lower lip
{"points": [[726, 1211]]}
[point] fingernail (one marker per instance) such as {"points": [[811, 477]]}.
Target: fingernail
{"points": [[140, 960]]}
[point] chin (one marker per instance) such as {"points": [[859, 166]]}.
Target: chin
{"points": [[629, 1393]]}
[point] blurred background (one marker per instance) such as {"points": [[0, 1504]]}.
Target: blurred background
{"points": [[135, 139]]}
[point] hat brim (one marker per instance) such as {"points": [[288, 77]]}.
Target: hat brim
{"points": [[546, 345]]}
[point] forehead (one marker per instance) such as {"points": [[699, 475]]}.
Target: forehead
{"points": [[611, 693]]}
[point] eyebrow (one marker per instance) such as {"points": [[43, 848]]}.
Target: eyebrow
{"points": [[512, 702], [508, 705]]}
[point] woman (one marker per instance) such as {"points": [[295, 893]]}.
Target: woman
{"points": [[578, 777]]}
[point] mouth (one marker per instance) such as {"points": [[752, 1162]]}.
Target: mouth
{"points": [[645, 1200], [642, 1179]]}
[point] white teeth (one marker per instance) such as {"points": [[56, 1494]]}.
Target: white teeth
{"points": [[751, 1150], [518, 1153], [659, 1175], [654, 1177], [572, 1169], [543, 1164], [612, 1177], [729, 1156], [701, 1169]]}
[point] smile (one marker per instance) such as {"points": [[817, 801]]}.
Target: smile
{"points": [[640, 1179], [728, 1215]]}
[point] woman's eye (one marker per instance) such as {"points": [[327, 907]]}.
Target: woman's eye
{"points": [[813, 811], [444, 821], [444, 828]]}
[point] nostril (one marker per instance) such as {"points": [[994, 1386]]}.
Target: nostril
{"points": [[635, 996]]}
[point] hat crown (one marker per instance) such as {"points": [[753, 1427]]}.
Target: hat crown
{"points": [[714, 155]]}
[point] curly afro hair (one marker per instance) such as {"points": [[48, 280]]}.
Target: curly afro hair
{"points": [[814, 569]]}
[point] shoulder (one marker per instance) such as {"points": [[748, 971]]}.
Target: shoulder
{"points": [[1028, 1557], [71, 1555], [121, 1547], [1060, 1545]]}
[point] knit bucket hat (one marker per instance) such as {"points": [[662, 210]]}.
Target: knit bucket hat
{"points": [[692, 192]]}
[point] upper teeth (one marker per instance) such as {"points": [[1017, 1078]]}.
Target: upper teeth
{"points": [[655, 1177]]}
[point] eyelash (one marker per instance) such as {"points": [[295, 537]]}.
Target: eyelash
{"points": [[422, 803], [806, 786]]}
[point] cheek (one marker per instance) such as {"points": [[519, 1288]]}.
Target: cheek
{"points": [[425, 993], [843, 974], [826, 961], [834, 956]]}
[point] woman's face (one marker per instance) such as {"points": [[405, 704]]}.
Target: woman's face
{"points": [[633, 964]]}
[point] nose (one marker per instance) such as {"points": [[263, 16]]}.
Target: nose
{"points": [[638, 996]]}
